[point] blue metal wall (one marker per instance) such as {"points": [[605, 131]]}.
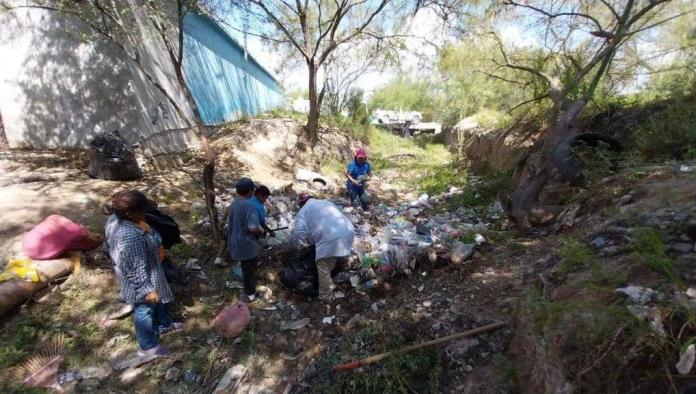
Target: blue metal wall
{"points": [[215, 72]]}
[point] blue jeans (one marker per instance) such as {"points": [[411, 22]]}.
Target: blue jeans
{"points": [[149, 320], [357, 193]]}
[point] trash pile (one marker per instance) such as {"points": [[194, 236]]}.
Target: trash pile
{"points": [[390, 240]]}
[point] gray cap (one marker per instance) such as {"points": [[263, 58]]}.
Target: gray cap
{"points": [[244, 185]]}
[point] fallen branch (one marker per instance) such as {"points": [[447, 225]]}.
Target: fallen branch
{"points": [[379, 357]]}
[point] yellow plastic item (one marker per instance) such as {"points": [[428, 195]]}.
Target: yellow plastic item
{"points": [[22, 269]]}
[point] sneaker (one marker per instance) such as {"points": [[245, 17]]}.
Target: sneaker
{"points": [[174, 327], [158, 351], [220, 262]]}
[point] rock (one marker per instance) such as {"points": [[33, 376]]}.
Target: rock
{"points": [[99, 373], [328, 319], [172, 374], [230, 381], [459, 349], [638, 294], [611, 250], [461, 252], [691, 292], [682, 247], [427, 304], [129, 376], [627, 199], [685, 168], [479, 239], [355, 321], [421, 288], [294, 325], [436, 326], [599, 242], [374, 307], [123, 311], [117, 338], [432, 255], [686, 360], [339, 294]]}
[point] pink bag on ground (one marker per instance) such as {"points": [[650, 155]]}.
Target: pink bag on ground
{"points": [[232, 320], [55, 236]]}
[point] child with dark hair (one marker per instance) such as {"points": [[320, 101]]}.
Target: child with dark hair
{"points": [[259, 200], [134, 248]]}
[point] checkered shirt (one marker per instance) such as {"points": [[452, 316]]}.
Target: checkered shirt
{"points": [[135, 255]]}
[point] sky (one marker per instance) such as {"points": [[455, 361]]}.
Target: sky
{"points": [[425, 24]]}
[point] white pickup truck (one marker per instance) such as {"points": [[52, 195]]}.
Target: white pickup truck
{"points": [[382, 116]]}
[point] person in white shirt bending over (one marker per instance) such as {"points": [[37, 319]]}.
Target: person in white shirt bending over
{"points": [[321, 224]]}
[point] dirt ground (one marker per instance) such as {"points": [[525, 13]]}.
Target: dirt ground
{"points": [[436, 300]]}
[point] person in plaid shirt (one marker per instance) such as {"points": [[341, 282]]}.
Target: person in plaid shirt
{"points": [[136, 251]]}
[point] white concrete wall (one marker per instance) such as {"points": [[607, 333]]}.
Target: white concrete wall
{"points": [[57, 91]]}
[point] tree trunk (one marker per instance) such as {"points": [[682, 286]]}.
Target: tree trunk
{"points": [[208, 175], [313, 118], [555, 154], [208, 170]]}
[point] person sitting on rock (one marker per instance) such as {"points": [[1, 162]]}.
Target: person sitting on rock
{"points": [[358, 173], [321, 224], [135, 250], [243, 233]]}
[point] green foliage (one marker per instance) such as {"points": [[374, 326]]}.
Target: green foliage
{"points": [[574, 255], [481, 188], [406, 95], [651, 251], [670, 134]]}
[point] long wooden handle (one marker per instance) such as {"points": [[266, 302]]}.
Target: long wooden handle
{"points": [[379, 357]]}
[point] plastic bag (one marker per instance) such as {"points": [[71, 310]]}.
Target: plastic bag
{"points": [[21, 269], [232, 320]]}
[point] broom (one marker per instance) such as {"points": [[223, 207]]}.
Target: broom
{"points": [[41, 369]]}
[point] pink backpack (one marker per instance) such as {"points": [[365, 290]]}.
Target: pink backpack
{"points": [[232, 320], [55, 236]]}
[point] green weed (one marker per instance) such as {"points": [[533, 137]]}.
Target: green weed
{"points": [[651, 251]]}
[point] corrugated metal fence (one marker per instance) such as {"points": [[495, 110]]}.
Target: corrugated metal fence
{"points": [[224, 84]]}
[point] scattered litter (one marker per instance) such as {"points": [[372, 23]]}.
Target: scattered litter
{"points": [[190, 376], [355, 321], [685, 168], [421, 288], [461, 252], [172, 374], [288, 357], [339, 294], [479, 239], [230, 381], [686, 360], [192, 265], [233, 284], [691, 292], [294, 325], [638, 294], [328, 319], [427, 304], [70, 376]]}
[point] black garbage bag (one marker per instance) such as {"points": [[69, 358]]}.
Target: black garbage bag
{"points": [[173, 272], [300, 274], [165, 225], [112, 158]]}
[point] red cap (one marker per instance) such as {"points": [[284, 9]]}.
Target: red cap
{"points": [[360, 153], [302, 198]]}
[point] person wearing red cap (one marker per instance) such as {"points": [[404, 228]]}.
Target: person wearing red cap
{"points": [[359, 173]]}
